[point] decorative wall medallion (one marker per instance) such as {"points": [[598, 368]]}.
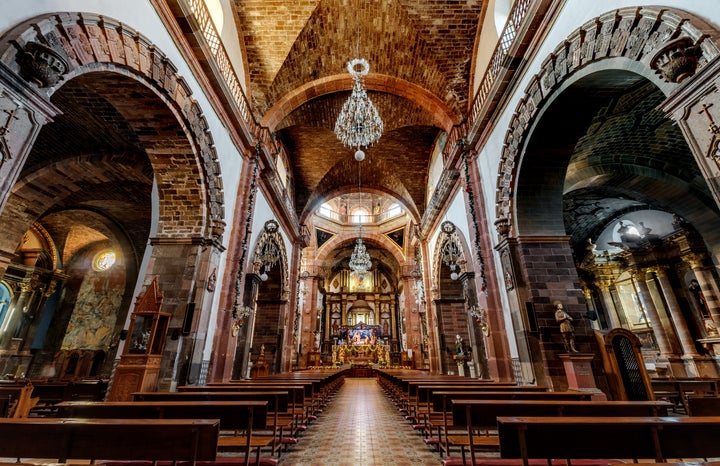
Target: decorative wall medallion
{"points": [[676, 60], [41, 64]]}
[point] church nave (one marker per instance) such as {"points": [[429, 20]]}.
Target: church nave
{"points": [[360, 427]]}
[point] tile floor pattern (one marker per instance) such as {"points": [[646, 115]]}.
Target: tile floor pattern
{"points": [[360, 427]]}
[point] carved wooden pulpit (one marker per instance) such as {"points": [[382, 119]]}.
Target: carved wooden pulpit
{"points": [[139, 365]]}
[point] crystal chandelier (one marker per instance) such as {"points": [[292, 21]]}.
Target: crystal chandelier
{"points": [[358, 124], [360, 259]]}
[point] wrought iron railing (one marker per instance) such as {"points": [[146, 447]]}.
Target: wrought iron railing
{"points": [[214, 42], [509, 32]]}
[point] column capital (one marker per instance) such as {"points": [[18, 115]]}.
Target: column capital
{"points": [[695, 260], [658, 269], [604, 283], [638, 273]]}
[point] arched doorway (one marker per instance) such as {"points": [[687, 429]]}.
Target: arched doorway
{"points": [[595, 158], [117, 171]]}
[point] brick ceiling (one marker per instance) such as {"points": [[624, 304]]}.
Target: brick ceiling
{"points": [[420, 54]]}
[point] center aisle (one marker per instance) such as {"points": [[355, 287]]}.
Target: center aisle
{"points": [[360, 427]]}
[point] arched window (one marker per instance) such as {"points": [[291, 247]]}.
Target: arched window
{"points": [[360, 215]]}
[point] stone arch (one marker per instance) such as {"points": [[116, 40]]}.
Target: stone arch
{"points": [[81, 43], [375, 239], [647, 35], [449, 314]]}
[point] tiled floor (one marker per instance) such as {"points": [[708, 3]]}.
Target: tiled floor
{"points": [[360, 427]]}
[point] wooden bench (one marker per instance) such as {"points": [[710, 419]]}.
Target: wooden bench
{"points": [[303, 398], [703, 405], [603, 440], [110, 439], [279, 418], [478, 418], [46, 393], [243, 418], [678, 390], [286, 412], [17, 400], [437, 418]]}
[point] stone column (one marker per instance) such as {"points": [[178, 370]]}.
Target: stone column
{"points": [[18, 318], [681, 329], [612, 315], [412, 319], [708, 285], [651, 312]]}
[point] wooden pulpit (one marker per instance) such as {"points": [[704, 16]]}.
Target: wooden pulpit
{"points": [[139, 365]]}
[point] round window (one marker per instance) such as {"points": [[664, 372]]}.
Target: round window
{"points": [[104, 260]]}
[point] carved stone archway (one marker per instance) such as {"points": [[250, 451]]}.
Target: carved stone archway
{"points": [[667, 43], [41, 55]]}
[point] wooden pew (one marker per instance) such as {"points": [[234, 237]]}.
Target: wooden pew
{"points": [[678, 390], [110, 439], [293, 409], [18, 400], [478, 418], [703, 405], [304, 392], [277, 420], [243, 417], [539, 440], [422, 393], [439, 417]]}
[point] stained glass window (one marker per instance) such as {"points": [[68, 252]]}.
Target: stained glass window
{"points": [[104, 261]]}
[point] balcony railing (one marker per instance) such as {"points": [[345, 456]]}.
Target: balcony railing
{"points": [[214, 42], [515, 20]]}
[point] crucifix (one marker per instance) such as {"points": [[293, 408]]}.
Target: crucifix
{"points": [[4, 131], [713, 127]]}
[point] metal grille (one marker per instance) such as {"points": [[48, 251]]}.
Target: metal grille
{"points": [[630, 370]]}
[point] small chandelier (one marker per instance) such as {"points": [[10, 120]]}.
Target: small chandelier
{"points": [[360, 259], [450, 251], [269, 253], [359, 124]]}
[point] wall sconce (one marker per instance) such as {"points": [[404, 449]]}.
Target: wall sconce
{"points": [[245, 312], [451, 250], [269, 253], [479, 314]]}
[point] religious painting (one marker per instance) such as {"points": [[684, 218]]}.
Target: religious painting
{"points": [[361, 282], [397, 236], [362, 334], [322, 237]]}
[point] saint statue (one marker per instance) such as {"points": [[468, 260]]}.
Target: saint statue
{"points": [[566, 327]]}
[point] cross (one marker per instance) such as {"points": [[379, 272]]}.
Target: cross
{"points": [[11, 116], [4, 130], [713, 128]]}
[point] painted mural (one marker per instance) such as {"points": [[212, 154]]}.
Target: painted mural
{"points": [[96, 309]]}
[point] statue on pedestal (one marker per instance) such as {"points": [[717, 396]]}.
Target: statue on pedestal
{"points": [[566, 327]]}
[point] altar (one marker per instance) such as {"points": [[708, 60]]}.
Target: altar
{"points": [[363, 354]]}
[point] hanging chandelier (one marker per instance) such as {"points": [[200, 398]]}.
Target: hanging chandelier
{"points": [[360, 259], [359, 124]]}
